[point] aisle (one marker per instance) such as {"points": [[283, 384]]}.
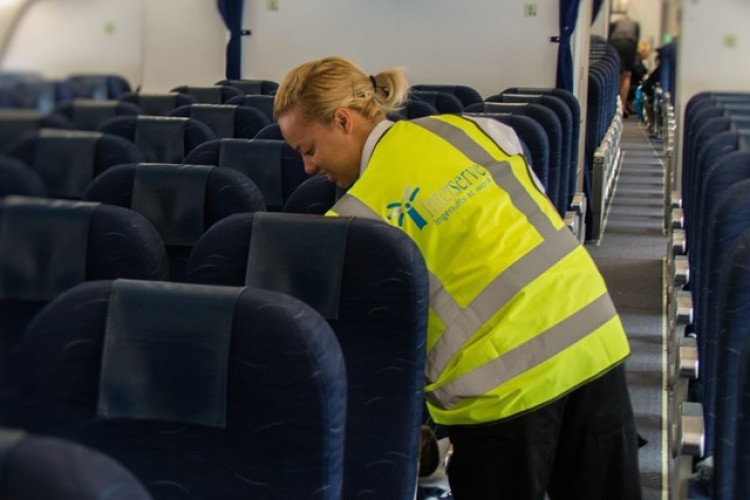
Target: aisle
{"points": [[630, 256]]}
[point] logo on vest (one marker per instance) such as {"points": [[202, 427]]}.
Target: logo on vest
{"points": [[399, 209]]}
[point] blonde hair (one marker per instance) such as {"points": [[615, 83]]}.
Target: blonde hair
{"points": [[318, 87]]}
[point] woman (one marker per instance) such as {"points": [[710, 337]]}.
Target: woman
{"points": [[525, 349]]}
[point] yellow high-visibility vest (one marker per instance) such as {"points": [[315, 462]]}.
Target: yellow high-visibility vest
{"points": [[519, 314]]}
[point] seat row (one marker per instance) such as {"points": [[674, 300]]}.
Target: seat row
{"points": [[707, 287], [263, 376]]}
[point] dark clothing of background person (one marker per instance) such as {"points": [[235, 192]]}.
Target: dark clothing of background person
{"points": [[623, 36]]}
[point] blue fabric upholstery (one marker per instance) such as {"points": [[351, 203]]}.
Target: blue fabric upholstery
{"points": [[225, 192], [16, 177], [601, 105], [270, 131], [261, 102], [467, 95], [552, 126], [252, 87], [742, 453], [417, 108], [567, 171], [534, 139], [274, 166], [160, 139], [16, 122], [226, 120], [98, 86], [728, 171], [442, 101], [575, 112], [88, 114], [286, 400], [41, 95], [733, 315], [119, 243], [729, 220], [217, 94], [711, 185], [708, 122], [158, 104], [381, 328], [315, 196], [42, 468], [68, 161]]}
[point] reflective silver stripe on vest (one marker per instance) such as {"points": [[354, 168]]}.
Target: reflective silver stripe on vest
{"points": [[354, 207], [460, 327], [534, 352]]}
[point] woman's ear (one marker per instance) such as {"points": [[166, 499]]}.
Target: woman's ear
{"points": [[343, 120]]}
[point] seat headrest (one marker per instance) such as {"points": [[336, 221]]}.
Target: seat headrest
{"points": [[65, 160], [172, 198], [261, 161], [182, 359], [219, 117], [302, 256], [43, 244], [89, 114], [161, 138]]}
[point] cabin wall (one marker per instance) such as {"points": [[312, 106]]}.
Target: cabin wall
{"points": [[162, 43], [157, 44], [56, 38], [485, 44]]}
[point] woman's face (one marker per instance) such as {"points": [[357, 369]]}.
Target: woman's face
{"points": [[331, 148]]}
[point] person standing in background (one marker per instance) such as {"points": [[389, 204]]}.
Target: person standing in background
{"points": [[624, 35]]}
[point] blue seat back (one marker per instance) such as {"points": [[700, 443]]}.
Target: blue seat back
{"points": [[464, 93], [14, 123], [533, 137], [728, 221], [42, 95], [48, 246], [181, 201], [16, 177], [561, 109], [742, 453], [274, 166], [99, 86], [158, 104], [261, 102], [216, 94], [575, 112], [160, 139], [39, 468], [553, 128], [370, 280], [226, 120], [88, 114], [733, 317], [281, 387], [68, 160], [270, 131], [252, 87], [315, 196], [442, 101]]}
